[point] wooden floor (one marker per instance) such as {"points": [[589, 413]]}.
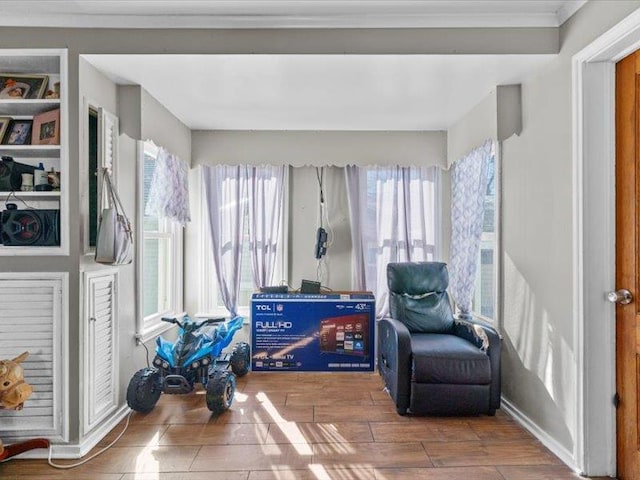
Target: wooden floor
{"points": [[307, 426]]}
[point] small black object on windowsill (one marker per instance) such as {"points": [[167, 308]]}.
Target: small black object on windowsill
{"points": [[275, 289], [309, 286]]}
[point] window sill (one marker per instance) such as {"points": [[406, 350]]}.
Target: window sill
{"points": [[156, 328], [486, 320]]}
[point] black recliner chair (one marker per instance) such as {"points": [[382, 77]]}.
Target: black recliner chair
{"points": [[431, 362]]}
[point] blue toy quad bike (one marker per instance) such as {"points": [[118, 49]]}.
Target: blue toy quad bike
{"points": [[195, 357]]}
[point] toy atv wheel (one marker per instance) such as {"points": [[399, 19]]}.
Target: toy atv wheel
{"points": [[240, 359], [220, 389], [144, 390]]}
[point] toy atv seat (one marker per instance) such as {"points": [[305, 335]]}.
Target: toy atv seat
{"points": [[195, 357]]}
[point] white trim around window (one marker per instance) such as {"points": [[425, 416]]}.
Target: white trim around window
{"points": [[207, 276], [151, 326]]}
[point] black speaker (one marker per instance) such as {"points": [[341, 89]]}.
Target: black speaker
{"points": [[30, 228]]}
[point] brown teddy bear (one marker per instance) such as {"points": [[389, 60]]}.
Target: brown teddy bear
{"points": [[13, 389]]}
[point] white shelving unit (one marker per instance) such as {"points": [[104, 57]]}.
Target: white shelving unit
{"points": [[51, 62]]}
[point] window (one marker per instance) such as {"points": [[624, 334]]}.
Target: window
{"points": [[211, 303], [101, 150], [485, 298], [397, 221], [160, 272], [93, 176]]}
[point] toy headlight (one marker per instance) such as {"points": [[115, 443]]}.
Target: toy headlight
{"points": [[165, 364], [195, 365], [205, 361]]}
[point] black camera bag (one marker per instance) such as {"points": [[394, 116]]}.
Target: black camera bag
{"points": [[11, 174]]}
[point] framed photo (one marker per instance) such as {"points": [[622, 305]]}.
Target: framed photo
{"points": [[46, 128], [18, 133], [15, 86], [4, 126]]}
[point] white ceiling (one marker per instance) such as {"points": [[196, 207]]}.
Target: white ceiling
{"points": [[303, 92], [287, 13], [318, 92]]}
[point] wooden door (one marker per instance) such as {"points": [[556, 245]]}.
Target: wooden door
{"points": [[627, 256]]}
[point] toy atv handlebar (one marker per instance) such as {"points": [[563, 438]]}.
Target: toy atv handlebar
{"points": [[208, 321]]}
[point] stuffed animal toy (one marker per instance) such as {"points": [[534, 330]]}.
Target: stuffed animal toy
{"points": [[13, 392], [13, 389]]}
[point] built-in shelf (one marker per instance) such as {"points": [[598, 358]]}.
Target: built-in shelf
{"points": [[53, 63], [27, 107], [38, 195], [33, 151]]}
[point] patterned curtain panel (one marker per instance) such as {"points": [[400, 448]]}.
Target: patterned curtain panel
{"points": [[169, 189], [266, 202], [469, 178], [393, 219], [226, 192]]}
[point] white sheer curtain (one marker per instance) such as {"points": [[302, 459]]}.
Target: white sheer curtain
{"points": [[169, 189], [393, 219], [469, 178], [266, 186], [226, 193]]}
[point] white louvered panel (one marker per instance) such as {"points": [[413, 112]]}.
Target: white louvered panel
{"points": [[109, 132], [101, 395], [30, 320]]}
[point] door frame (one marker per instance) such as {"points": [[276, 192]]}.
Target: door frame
{"points": [[594, 319]]}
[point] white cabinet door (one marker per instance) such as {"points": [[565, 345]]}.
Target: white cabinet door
{"points": [[100, 347], [33, 319]]}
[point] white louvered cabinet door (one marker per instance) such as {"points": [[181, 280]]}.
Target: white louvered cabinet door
{"points": [[31, 320], [100, 345]]}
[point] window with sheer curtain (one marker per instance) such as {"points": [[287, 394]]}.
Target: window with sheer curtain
{"points": [[394, 218], [248, 200], [484, 298], [161, 253]]}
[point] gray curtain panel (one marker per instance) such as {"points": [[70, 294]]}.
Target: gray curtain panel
{"points": [[226, 193], [393, 219], [266, 186], [469, 178]]}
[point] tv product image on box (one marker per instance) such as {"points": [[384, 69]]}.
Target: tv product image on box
{"points": [[313, 332], [345, 335]]}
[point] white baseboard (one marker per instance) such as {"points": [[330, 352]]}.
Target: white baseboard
{"points": [[78, 450], [551, 443]]}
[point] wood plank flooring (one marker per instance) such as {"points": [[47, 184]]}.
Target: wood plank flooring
{"points": [[308, 426]]}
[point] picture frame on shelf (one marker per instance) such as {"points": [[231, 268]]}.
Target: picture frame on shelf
{"points": [[16, 86], [19, 133], [46, 128], [4, 126]]}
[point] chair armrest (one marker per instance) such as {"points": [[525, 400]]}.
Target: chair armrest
{"points": [[394, 360], [487, 338]]}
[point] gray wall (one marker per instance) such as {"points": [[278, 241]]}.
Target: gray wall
{"points": [[539, 360], [304, 201], [538, 363], [301, 148], [103, 93], [142, 117], [154, 122]]}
